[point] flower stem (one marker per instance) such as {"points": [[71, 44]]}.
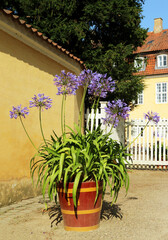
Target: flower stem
{"points": [[27, 133], [41, 125], [62, 114], [137, 136], [81, 109], [111, 129]]}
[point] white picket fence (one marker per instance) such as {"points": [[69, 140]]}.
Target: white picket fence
{"points": [[117, 133], [151, 147]]}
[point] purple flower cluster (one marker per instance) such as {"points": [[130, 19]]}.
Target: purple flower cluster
{"points": [[19, 111], [41, 101], [66, 83], [98, 84], [152, 116], [85, 77], [114, 110]]}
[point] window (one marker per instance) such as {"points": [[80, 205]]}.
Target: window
{"points": [[140, 98], [161, 93], [139, 63], [162, 61]]}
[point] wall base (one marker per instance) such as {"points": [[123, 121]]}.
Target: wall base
{"points": [[16, 190]]}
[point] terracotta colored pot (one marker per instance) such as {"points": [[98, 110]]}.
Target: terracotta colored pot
{"points": [[86, 216]]}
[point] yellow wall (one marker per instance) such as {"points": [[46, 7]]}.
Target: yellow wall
{"points": [[23, 73], [150, 99]]}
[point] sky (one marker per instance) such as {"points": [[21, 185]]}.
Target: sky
{"points": [[154, 9]]}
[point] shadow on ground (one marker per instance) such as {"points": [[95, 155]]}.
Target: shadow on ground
{"points": [[107, 212], [55, 215]]}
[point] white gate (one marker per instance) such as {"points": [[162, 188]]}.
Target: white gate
{"points": [[151, 147]]}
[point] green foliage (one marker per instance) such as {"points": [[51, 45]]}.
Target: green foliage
{"points": [[80, 158], [103, 33]]}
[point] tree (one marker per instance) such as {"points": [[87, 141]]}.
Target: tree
{"points": [[103, 33]]}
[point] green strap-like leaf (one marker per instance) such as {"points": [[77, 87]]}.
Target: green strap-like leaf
{"points": [[61, 163], [73, 141], [52, 151], [73, 154], [63, 150], [66, 176], [45, 182], [97, 187], [52, 180], [75, 187]]}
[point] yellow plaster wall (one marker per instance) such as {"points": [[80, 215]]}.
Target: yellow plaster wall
{"points": [[150, 99], [23, 73]]}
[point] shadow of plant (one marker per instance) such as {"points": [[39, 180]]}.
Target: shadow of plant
{"points": [[55, 214], [107, 212]]}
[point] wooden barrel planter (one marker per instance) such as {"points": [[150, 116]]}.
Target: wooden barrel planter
{"points": [[86, 216]]}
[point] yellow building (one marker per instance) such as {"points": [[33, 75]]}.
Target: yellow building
{"points": [[152, 62], [28, 63]]}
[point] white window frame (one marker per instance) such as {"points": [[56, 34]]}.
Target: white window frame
{"points": [[161, 95], [139, 63], [140, 99], [162, 61]]}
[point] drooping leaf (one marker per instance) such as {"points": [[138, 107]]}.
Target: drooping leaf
{"points": [[61, 165], [75, 187]]}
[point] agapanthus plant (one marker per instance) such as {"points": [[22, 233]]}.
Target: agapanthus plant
{"points": [[19, 112], [40, 101], [97, 85], [152, 116], [66, 83], [77, 156], [100, 85], [114, 110]]}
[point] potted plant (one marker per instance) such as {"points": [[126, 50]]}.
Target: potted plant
{"points": [[79, 165]]}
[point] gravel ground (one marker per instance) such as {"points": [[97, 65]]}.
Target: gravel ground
{"points": [[141, 215]]}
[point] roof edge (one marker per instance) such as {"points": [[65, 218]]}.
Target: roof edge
{"points": [[31, 42]]}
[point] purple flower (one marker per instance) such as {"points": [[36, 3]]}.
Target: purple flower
{"points": [[66, 83], [85, 77], [114, 110], [41, 101], [19, 111], [98, 84], [152, 116]]}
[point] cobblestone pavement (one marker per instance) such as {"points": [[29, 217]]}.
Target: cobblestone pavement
{"points": [[141, 215]]}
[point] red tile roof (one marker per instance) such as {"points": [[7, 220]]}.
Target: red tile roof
{"points": [[154, 42], [39, 34], [150, 67]]}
